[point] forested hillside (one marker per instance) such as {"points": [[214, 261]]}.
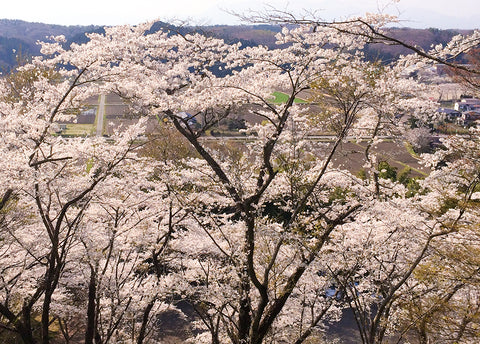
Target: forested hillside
{"points": [[17, 36], [20, 37]]}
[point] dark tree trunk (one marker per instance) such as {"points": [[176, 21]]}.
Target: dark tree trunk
{"points": [[146, 316], [23, 328], [46, 305], [92, 294]]}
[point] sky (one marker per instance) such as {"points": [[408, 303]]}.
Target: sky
{"points": [[442, 14]]}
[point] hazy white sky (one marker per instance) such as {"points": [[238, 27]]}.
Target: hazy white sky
{"points": [[414, 13]]}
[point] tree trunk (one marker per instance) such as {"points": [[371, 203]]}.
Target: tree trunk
{"points": [[22, 328], [25, 329], [146, 316], [92, 294], [244, 315], [46, 311]]}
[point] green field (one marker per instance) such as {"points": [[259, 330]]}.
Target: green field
{"points": [[79, 130], [282, 98]]}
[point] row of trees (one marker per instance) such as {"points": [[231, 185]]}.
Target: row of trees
{"points": [[265, 241]]}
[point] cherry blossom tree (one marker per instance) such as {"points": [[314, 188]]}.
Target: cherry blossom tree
{"points": [[442, 205], [445, 305], [48, 181], [261, 213], [254, 235]]}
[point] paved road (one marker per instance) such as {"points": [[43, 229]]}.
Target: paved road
{"points": [[327, 138], [100, 115]]}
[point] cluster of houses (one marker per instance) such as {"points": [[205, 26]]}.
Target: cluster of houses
{"points": [[466, 112]]}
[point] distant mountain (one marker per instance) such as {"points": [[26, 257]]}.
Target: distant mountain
{"points": [[9, 48], [38, 31], [248, 35], [20, 37], [265, 35], [424, 38]]}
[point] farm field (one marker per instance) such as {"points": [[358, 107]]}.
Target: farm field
{"points": [[350, 157]]}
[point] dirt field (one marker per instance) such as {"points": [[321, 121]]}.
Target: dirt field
{"points": [[349, 156]]}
